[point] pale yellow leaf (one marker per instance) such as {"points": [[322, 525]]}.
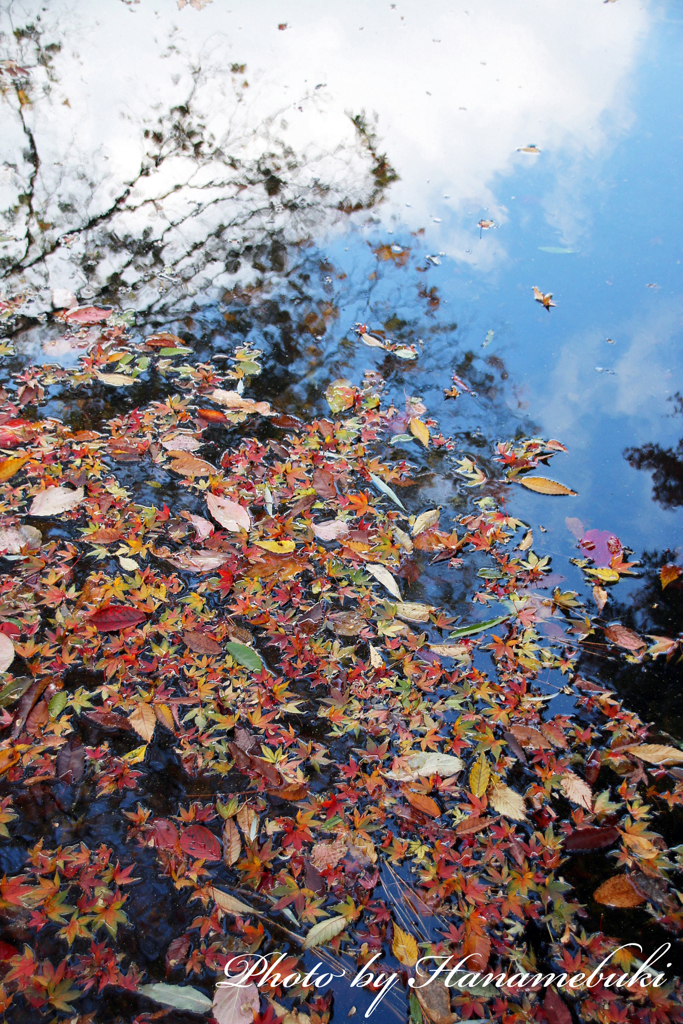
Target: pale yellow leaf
{"points": [[506, 801], [143, 721], [384, 577]]}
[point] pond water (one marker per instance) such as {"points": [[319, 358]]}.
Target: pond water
{"points": [[272, 176]]}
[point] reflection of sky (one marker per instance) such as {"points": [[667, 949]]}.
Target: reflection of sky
{"points": [[455, 94]]}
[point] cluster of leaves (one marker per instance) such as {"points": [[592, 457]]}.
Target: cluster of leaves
{"points": [[367, 782]]}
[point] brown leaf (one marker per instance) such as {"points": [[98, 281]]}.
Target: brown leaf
{"points": [[232, 844], [434, 998], [346, 623], [576, 790], [144, 721], [654, 753], [313, 879], [624, 637], [200, 643], [71, 761], [618, 891], [38, 718], [422, 803], [668, 573], [177, 952], [478, 946], [188, 465], [529, 737], [328, 855], [471, 825], [165, 835], [235, 403], [323, 484], [105, 535]]}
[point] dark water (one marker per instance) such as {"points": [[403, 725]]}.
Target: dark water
{"points": [[202, 169]]}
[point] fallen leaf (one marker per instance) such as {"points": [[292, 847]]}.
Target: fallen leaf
{"points": [[277, 547], [477, 627], [231, 400], [576, 790], [529, 737], [333, 529], [668, 573], [419, 430], [541, 485], [478, 947], [507, 802], [197, 841], [538, 294], [185, 464], [346, 623], [178, 997], [404, 947], [479, 776], [53, 501], [654, 753], [323, 931], [471, 825], [232, 844], [434, 998], [423, 804], [412, 611], [340, 395], [231, 905], [245, 656], [556, 1009], [323, 483], [458, 651], [235, 1004], [200, 643], [14, 538], [115, 617], [196, 561], [116, 380], [624, 637], [231, 515], [328, 855], [426, 763], [618, 891], [384, 577], [8, 467], [143, 721], [425, 520], [6, 652]]}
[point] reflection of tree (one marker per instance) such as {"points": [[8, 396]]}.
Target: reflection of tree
{"points": [[212, 194], [665, 464]]}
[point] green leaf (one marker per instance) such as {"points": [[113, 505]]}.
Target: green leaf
{"points": [[15, 689], [478, 627], [57, 704], [386, 489], [174, 351], [323, 931], [246, 656], [179, 997]]}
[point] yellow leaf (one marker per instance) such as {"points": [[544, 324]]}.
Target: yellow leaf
{"points": [[143, 721], [419, 430], [404, 947], [667, 574], [479, 776], [136, 756], [164, 716], [278, 547], [232, 844], [425, 520], [129, 564], [413, 611], [115, 380], [527, 541], [542, 485], [8, 467], [654, 753]]}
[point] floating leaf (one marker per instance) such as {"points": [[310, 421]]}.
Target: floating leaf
{"points": [[88, 315], [143, 721], [477, 627], [13, 539], [323, 931], [426, 763], [231, 905], [529, 737], [178, 997], [624, 637], [116, 380], [53, 501], [232, 844], [6, 652], [669, 573], [333, 529], [576, 790], [245, 656], [197, 561], [554, 1007], [234, 401], [384, 577], [458, 651], [8, 467], [419, 430], [425, 520], [412, 611], [618, 891], [186, 464], [197, 841], [231, 515], [340, 395], [277, 547], [200, 643], [541, 485], [506, 801], [479, 776], [235, 1004], [423, 804], [386, 489], [404, 947], [654, 753], [116, 617]]}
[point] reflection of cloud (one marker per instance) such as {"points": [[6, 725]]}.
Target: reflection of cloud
{"points": [[543, 73], [646, 364]]}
